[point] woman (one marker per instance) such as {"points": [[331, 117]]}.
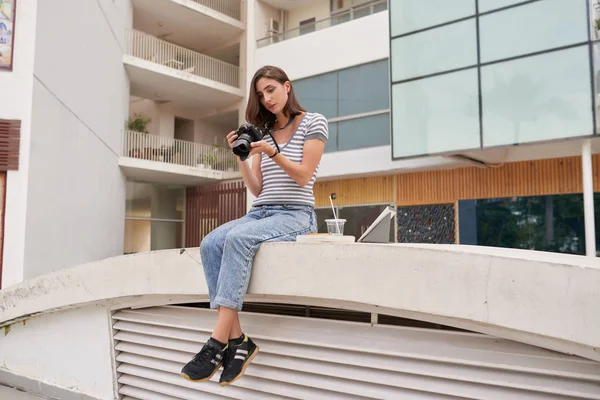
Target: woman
{"points": [[283, 171]]}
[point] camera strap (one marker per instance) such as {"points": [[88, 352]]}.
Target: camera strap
{"points": [[271, 131]]}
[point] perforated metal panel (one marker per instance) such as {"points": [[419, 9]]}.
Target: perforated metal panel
{"points": [[307, 358]]}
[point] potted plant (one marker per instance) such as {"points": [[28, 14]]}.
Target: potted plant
{"points": [[139, 123], [230, 164], [206, 161]]}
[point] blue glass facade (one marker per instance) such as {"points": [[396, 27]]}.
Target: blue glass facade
{"points": [[355, 101], [474, 74]]}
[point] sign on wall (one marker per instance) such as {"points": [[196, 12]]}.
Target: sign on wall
{"points": [[7, 23]]}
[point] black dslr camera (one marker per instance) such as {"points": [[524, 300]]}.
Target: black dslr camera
{"points": [[247, 133]]}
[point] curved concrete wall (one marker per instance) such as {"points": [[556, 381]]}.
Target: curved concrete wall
{"points": [[544, 299]]}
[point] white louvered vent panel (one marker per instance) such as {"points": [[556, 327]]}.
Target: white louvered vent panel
{"points": [[135, 390], [303, 358]]}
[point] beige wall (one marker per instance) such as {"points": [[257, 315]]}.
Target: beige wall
{"points": [[137, 236], [319, 11], [263, 13], [163, 122]]}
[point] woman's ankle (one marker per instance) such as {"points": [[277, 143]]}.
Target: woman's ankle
{"points": [[237, 340]]}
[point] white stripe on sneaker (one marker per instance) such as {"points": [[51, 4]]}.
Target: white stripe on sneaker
{"points": [[238, 357]]}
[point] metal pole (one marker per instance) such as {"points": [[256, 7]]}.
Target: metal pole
{"points": [[588, 199]]}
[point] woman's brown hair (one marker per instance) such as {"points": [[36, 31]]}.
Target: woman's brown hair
{"points": [[256, 113]]}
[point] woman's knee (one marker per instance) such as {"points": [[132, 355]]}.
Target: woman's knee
{"points": [[237, 237], [209, 243]]}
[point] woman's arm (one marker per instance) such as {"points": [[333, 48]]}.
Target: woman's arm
{"points": [[311, 156], [252, 175], [303, 172]]}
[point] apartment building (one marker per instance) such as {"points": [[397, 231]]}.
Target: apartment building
{"points": [[121, 149], [110, 116]]}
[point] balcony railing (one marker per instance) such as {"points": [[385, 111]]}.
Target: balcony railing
{"points": [[170, 55], [336, 19], [145, 146], [231, 8]]}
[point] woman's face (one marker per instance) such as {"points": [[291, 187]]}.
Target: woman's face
{"points": [[272, 94]]}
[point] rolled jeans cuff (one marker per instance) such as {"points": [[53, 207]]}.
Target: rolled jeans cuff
{"points": [[220, 301]]}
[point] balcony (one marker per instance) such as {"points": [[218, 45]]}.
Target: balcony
{"points": [[212, 18], [162, 71], [337, 18], [152, 158]]}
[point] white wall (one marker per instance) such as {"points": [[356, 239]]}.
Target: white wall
{"points": [[263, 13], [146, 108], [70, 350], [353, 43], [375, 161], [76, 190], [17, 87], [319, 10]]}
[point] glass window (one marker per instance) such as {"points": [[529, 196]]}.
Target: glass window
{"points": [[412, 15], [139, 199], [537, 98], [359, 218], [563, 23], [307, 26], [381, 6], [544, 223], [364, 132], [331, 144], [437, 50], [596, 55], [488, 5], [318, 93], [437, 114], [361, 12], [364, 88], [595, 19]]}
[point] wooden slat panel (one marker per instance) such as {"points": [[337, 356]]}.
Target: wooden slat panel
{"points": [[211, 206], [10, 138], [527, 178], [370, 190]]}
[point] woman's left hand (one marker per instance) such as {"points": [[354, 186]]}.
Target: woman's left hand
{"points": [[262, 147]]}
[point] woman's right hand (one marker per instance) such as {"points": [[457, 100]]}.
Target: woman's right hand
{"points": [[231, 137]]}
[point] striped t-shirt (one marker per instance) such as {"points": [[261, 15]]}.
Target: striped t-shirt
{"points": [[277, 187]]}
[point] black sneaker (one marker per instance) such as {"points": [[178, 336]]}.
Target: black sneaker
{"points": [[237, 360], [206, 363]]}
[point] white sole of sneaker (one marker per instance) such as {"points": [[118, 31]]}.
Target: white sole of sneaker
{"points": [[248, 361]]}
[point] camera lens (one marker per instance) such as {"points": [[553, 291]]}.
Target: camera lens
{"points": [[241, 148]]}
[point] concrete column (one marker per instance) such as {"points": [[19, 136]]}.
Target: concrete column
{"points": [[247, 49], [588, 199]]}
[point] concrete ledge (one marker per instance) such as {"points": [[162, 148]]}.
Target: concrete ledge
{"points": [[38, 388], [544, 299]]}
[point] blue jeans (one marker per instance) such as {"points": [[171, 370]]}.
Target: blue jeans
{"points": [[228, 252]]}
